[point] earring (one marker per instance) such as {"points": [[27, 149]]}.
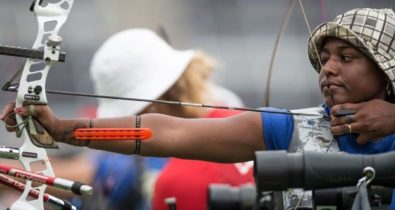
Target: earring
{"points": [[389, 89]]}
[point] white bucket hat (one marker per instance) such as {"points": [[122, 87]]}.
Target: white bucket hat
{"points": [[135, 63], [370, 30]]}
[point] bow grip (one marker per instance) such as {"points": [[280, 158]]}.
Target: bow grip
{"points": [[39, 136]]}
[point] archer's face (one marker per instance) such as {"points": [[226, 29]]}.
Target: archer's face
{"points": [[351, 77]]}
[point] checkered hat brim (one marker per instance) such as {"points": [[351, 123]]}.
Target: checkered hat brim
{"points": [[370, 30]]}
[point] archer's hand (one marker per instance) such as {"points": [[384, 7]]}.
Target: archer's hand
{"points": [[60, 130], [42, 113], [373, 120]]}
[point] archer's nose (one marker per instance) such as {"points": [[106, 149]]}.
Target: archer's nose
{"points": [[330, 67]]}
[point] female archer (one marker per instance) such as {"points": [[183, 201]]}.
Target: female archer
{"points": [[355, 58]]}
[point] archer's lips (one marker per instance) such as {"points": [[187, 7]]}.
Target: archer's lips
{"points": [[328, 84]]}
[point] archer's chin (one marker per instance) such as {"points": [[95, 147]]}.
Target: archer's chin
{"points": [[328, 101]]}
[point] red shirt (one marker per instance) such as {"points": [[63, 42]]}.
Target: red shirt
{"points": [[188, 180]]}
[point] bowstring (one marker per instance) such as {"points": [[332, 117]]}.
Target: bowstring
{"points": [[325, 77]]}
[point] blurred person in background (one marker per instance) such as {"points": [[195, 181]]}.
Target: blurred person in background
{"points": [[138, 63]]}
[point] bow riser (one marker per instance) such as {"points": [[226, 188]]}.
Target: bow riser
{"points": [[32, 90]]}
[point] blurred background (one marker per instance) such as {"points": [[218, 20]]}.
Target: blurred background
{"points": [[239, 33]]}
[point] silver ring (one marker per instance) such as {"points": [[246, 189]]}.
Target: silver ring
{"points": [[349, 118], [349, 128]]}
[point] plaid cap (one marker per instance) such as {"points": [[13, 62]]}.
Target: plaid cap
{"points": [[370, 30]]}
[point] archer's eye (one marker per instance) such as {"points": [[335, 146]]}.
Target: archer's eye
{"points": [[346, 58], [324, 59]]}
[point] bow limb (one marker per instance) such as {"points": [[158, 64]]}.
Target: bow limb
{"points": [[32, 91], [278, 38], [284, 24]]}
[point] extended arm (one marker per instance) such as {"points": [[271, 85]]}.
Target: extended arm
{"points": [[232, 139]]}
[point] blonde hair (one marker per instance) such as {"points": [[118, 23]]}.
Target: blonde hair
{"points": [[192, 86]]}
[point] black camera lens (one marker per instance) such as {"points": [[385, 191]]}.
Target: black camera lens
{"points": [[224, 196]]}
